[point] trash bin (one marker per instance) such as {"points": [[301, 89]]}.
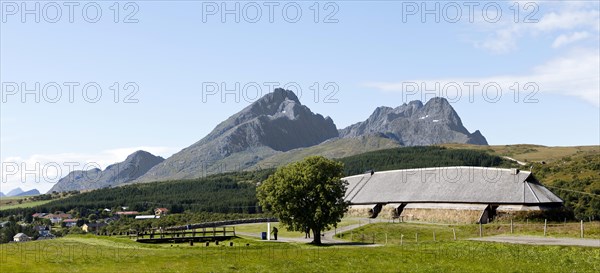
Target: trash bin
{"points": [[263, 235]]}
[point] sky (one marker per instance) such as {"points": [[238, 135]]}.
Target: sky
{"points": [[84, 84]]}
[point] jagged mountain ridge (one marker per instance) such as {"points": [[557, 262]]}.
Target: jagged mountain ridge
{"points": [[116, 174], [277, 129], [415, 124]]}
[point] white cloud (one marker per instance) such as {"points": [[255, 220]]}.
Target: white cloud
{"points": [[568, 39], [576, 74], [44, 170], [581, 17], [566, 20]]}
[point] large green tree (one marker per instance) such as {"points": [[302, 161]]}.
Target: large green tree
{"points": [[306, 194]]}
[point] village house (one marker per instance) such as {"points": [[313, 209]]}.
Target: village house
{"points": [[91, 227], [44, 231], [21, 237], [70, 222], [4, 224], [39, 214], [161, 211], [57, 217]]}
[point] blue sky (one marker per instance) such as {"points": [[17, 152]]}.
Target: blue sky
{"points": [[361, 54]]}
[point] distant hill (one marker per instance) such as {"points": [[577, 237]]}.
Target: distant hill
{"points": [[1, 194], [14, 192], [29, 193], [116, 174], [20, 192]]}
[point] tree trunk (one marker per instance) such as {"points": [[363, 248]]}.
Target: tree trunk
{"points": [[316, 236]]}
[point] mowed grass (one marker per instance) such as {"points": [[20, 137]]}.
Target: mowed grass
{"points": [[393, 233], [282, 232], [111, 254]]}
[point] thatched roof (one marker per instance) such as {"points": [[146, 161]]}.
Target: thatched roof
{"points": [[449, 185]]}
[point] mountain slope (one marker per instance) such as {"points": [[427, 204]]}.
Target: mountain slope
{"points": [[275, 123], [334, 148], [415, 124], [116, 174], [14, 192], [29, 193]]}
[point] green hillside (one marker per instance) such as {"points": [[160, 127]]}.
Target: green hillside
{"points": [[337, 148], [420, 157]]}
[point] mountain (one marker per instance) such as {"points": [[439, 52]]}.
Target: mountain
{"points": [[116, 174], [14, 192], [29, 193], [415, 124], [1, 194], [275, 123]]}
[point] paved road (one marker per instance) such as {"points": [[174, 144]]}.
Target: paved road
{"points": [[535, 240]]}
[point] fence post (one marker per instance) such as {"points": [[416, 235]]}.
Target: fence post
{"points": [[511, 226], [454, 233], [386, 238], [401, 237], [434, 236], [581, 233], [480, 229], [417, 237], [545, 226]]}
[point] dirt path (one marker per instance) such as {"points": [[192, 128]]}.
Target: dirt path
{"points": [[328, 236], [535, 240]]}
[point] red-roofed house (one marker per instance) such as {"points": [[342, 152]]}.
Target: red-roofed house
{"points": [[161, 211]]}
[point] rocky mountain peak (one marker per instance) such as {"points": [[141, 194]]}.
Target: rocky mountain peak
{"points": [[416, 123], [277, 122]]}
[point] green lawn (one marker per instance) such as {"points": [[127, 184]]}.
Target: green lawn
{"points": [[260, 227], [425, 232], [111, 254]]}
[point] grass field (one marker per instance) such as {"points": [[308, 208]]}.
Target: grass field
{"points": [[15, 204], [260, 227], [110, 254], [378, 233], [12, 202], [529, 152]]}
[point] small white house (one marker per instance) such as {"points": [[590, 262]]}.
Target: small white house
{"points": [[21, 237]]}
